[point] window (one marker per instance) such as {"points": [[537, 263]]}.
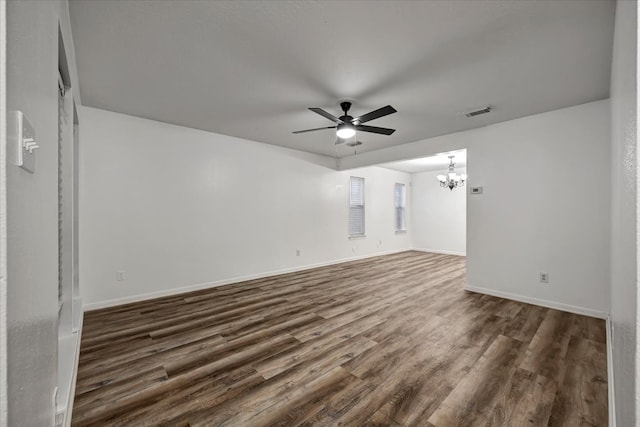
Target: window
{"points": [[356, 206], [400, 196]]}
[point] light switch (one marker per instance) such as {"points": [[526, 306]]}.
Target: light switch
{"points": [[22, 141]]}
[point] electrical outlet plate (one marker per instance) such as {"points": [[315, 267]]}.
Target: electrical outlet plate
{"points": [[544, 277], [21, 141]]}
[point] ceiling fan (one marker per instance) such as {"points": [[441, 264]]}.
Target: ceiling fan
{"points": [[347, 125]]}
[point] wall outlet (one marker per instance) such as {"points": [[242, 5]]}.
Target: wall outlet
{"points": [[297, 252], [120, 275], [353, 250], [544, 277]]}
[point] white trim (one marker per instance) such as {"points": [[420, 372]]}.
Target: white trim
{"points": [[610, 388], [65, 403], [440, 251], [541, 302], [72, 394], [175, 291]]}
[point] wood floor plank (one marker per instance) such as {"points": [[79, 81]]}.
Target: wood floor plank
{"points": [[582, 392], [429, 387], [473, 400], [386, 341], [200, 396], [547, 350], [528, 402], [526, 323]]}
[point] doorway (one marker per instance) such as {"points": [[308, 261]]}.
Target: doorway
{"points": [[438, 213]]}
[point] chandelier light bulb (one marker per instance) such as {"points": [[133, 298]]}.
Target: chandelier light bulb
{"points": [[452, 180]]}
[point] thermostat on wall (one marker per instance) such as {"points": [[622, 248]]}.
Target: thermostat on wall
{"points": [[476, 190]]}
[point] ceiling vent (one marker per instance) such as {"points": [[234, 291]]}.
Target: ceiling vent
{"points": [[484, 110]]}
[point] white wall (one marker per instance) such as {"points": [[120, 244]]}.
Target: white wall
{"points": [[32, 219], [545, 207], [624, 198], [439, 215], [176, 208], [4, 404], [551, 214]]}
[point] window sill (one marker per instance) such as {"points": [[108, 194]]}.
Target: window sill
{"points": [[401, 231], [357, 236]]}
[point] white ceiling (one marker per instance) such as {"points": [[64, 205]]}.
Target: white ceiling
{"points": [[250, 69], [439, 162]]}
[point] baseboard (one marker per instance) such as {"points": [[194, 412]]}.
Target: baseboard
{"points": [[440, 251], [541, 302], [175, 291], [610, 386]]}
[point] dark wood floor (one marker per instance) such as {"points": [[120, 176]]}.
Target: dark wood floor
{"points": [[392, 340]]}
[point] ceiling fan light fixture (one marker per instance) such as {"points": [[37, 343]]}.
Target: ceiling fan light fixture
{"points": [[346, 130], [346, 125]]}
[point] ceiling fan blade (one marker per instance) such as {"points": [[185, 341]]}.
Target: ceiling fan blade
{"points": [[311, 130], [380, 112], [375, 129], [326, 115]]}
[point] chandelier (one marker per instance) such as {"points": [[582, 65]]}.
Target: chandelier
{"points": [[451, 180]]}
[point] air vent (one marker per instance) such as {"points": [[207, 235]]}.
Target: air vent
{"points": [[484, 110]]}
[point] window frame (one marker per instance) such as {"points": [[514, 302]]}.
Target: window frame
{"points": [[354, 205], [400, 207]]}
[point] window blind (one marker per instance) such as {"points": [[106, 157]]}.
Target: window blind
{"points": [[400, 196], [356, 206]]}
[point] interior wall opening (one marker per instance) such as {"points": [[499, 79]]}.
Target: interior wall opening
{"points": [[438, 211]]}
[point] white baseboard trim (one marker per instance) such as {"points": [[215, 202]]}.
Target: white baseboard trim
{"points": [[610, 387], [440, 251], [541, 302], [174, 291]]}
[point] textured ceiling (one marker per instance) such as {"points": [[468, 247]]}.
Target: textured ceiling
{"points": [[251, 69]]}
